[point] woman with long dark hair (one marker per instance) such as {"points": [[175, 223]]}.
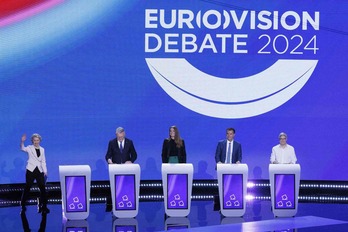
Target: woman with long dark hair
{"points": [[173, 149]]}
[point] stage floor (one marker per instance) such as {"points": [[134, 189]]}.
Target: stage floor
{"points": [[151, 217]]}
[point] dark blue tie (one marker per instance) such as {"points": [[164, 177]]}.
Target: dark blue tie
{"points": [[121, 148]]}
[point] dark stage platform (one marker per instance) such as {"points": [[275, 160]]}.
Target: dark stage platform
{"points": [[322, 207]]}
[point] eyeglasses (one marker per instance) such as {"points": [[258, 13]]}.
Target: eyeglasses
{"points": [[282, 138]]}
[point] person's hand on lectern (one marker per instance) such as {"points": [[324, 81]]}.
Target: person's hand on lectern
{"points": [[109, 161], [128, 162], [238, 162]]}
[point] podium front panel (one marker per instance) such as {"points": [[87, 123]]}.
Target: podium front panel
{"points": [[284, 191], [124, 185], [285, 186], [125, 192], [232, 182], [232, 187], [75, 181], [177, 189], [75, 192]]}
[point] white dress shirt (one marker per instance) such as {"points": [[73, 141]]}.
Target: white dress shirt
{"points": [[283, 154]]}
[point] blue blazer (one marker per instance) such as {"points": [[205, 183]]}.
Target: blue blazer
{"points": [[220, 154], [114, 153]]}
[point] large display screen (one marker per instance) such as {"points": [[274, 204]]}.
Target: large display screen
{"points": [[74, 71], [284, 187], [232, 188], [177, 191], [75, 192], [125, 192]]}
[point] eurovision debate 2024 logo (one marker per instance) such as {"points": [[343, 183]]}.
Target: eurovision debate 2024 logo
{"points": [[229, 98]]}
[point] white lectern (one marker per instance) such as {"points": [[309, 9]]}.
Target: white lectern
{"points": [[124, 184], [232, 181], [285, 186], [177, 189], [75, 184]]}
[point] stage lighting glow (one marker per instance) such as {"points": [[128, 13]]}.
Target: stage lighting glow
{"points": [[250, 185]]}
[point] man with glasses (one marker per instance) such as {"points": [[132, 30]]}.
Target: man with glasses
{"points": [[283, 153]]}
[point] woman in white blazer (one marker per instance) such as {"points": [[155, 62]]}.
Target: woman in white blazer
{"points": [[35, 170]]}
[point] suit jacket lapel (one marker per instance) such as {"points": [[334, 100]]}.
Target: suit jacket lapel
{"points": [[234, 148], [41, 153], [224, 150], [126, 144]]}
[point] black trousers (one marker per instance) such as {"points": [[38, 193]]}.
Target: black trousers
{"points": [[40, 180]]}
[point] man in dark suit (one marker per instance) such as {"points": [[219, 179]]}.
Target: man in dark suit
{"points": [[121, 150], [228, 150]]}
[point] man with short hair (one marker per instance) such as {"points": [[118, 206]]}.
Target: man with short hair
{"points": [[283, 153], [229, 150], [121, 149]]}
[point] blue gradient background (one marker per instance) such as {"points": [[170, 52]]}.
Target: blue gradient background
{"points": [[77, 71]]}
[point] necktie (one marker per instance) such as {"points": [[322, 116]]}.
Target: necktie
{"points": [[121, 148], [229, 153]]}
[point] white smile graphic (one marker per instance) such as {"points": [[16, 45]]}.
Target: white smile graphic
{"points": [[229, 97]]}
